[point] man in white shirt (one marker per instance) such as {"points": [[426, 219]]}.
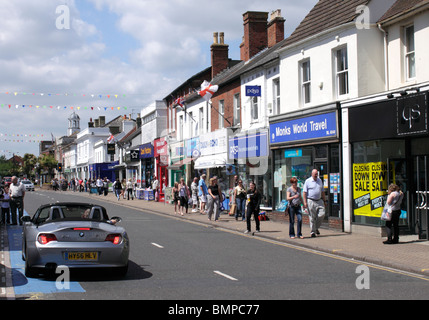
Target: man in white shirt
{"points": [[314, 201], [17, 193]]}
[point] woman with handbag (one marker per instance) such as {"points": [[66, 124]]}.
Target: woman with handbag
{"points": [[213, 199], [240, 200], [293, 196], [394, 199]]}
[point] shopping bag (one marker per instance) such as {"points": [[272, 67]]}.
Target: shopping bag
{"points": [[386, 215], [232, 209]]}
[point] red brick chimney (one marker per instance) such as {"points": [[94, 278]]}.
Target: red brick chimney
{"points": [[255, 34], [276, 28], [219, 52]]}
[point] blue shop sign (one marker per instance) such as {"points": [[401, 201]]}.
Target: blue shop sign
{"points": [[253, 91], [248, 146], [314, 127], [146, 150]]}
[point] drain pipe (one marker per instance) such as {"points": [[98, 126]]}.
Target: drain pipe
{"points": [[386, 58]]}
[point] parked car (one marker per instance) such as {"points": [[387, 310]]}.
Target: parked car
{"points": [[76, 235], [29, 186]]}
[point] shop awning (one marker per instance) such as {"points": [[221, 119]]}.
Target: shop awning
{"points": [[178, 164], [213, 161]]}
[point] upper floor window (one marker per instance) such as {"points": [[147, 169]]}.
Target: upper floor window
{"points": [[201, 121], [237, 108], [342, 71], [410, 58], [305, 82], [221, 113], [254, 109], [276, 96]]}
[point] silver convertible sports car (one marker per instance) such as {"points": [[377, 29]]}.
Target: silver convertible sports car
{"points": [[76, 235]]}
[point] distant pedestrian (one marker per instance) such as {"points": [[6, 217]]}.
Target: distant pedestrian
{"points": [[184, 195], [123, 184], [194, 192], [99, 184], [254, 198], [293, 195], [130, 190], [240, 200], [314, 201], [5, 206], [213, 199], [202, 193], [175, 195], [394, 199], [105, 186], [117, 186], [17, 193]]}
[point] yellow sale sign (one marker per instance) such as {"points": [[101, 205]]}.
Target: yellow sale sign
{"points": [[369, 188]]}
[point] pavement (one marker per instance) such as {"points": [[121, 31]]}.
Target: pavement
{"points": [[409, 255]]}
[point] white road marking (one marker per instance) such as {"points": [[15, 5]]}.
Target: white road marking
{"points": [[157, 245], [225, 275]]}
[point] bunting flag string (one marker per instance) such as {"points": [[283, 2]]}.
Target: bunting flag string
{"points": [[32, 106], [41, 94]]}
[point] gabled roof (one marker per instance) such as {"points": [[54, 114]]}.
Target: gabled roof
{"points": [[401, 7], [325, 15]]}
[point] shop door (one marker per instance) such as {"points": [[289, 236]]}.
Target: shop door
{"points": [[397, 173], [322, 167], [420, 198]]}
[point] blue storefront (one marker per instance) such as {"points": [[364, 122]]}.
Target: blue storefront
{"points": [[306, 140], [103, 170]]}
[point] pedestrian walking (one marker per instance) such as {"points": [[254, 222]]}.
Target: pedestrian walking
{"points": [[105, 186], [202, 193], [130, 190], [194, 192], [184, 195], [394, 199], [99, 184], [17, 193], [213, 199], [175, 195], [314, 201], [253, 206], [240, 200], [117, 186], [5, 206], [293, 195], [123, 185]]}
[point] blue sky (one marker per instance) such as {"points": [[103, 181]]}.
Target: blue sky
{"points": [[138, 49]]}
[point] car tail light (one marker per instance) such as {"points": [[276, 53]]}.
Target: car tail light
{"points": [[114, 238], [82, 229], [45, 238]]}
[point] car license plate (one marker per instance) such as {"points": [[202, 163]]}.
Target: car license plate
{"points": [[81, 256]]}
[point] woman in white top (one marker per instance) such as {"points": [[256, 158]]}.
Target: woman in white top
{"points": [[394, 199]]}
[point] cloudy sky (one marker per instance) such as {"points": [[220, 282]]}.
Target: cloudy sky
{"points": [[95, 55]]}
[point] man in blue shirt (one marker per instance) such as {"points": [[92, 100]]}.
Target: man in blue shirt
{"points": [[202, 193], [314, 201]]}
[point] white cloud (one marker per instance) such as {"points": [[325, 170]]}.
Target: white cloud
{"points": [[172, 42]]}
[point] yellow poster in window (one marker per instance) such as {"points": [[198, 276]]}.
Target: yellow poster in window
{"points": [[369, 188]]}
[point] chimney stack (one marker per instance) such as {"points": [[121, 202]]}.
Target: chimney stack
{"points": [[276, 28], [219, 53], [255, 34]]}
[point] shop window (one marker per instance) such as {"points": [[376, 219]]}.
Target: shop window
{"points": [[370, 177]]}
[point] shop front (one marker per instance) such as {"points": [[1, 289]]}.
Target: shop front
{"points": [[248, 153], [146, 164], [177, 166], [160, 152], [303, 141], [212, 158], [388, 142]]}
